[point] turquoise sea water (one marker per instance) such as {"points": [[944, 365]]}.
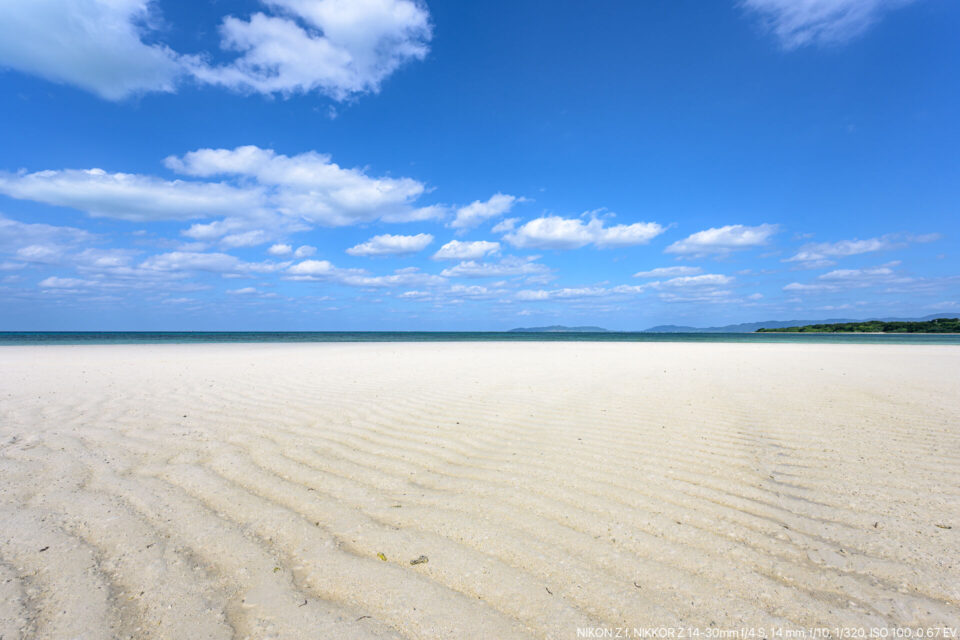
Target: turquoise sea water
{"points": [[190, 337]]}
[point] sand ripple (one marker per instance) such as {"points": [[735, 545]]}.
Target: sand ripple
{"points": [[281, 491]]}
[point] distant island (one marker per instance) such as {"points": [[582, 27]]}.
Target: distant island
{"points": [[558, 328], [940, 325]]}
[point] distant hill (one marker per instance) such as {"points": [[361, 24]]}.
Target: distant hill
{"points": [[559, 328], [939, 325], [745, 327], [751, 327]]}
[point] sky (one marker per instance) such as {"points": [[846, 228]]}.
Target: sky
{"points": [[449, 165]]}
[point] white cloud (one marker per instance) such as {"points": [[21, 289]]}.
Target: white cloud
{"points": [[323, 270], [128, 196], [15, 235], [304, 251], [819, 254], [96, 45], [180, 261], [856, 274], [801, 22], [338, 47], [409, 277], [474, 291], [712, 296], [505, 225], [390, 245], [280, 250], [54, 282], [317, 269], [262, 196], [668, 272], [723, 239], [844, 279], [509, 266], [478, 212], [531, 295], [457, 250], [948, 305], [705, 280], [554, 232], [250, 238], [679, 289], [309, 186], [244, 291]]}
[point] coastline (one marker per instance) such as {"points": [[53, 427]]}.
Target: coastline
{"points": [[14, 338]]}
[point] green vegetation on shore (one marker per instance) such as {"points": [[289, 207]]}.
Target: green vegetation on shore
{"points": [[940, 325]]}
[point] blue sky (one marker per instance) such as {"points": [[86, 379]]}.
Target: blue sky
{"points": [[390, 164]]}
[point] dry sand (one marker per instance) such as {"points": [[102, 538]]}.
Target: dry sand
{"points": [[557, 489]]}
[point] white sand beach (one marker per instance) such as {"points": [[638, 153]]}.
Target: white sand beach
{"points": [[283, 490]]}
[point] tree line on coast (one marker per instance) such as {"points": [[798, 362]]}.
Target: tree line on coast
{"points": [[939, 325]]}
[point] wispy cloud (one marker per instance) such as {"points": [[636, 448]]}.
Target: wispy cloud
{"points": [[478, 212], [391, 245], [508, 266], [668, 272], [844, 279], [723, 240], [821, 254], [457, 250], [796, 23]]}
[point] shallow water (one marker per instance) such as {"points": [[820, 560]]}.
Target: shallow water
{"points": [[182, 337]]}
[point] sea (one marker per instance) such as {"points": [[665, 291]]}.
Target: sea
{"points": [[15, 338]]}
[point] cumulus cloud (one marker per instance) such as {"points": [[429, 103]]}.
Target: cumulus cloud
{"points": [[391, 245], [554, 232], [318, 269], [668, 272], [821, 254], [280, 250], [261, 195], [509, 266], [721, 240], [310, 186], [803, 22], [457, 250], [478, 212], [340, 48]]}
